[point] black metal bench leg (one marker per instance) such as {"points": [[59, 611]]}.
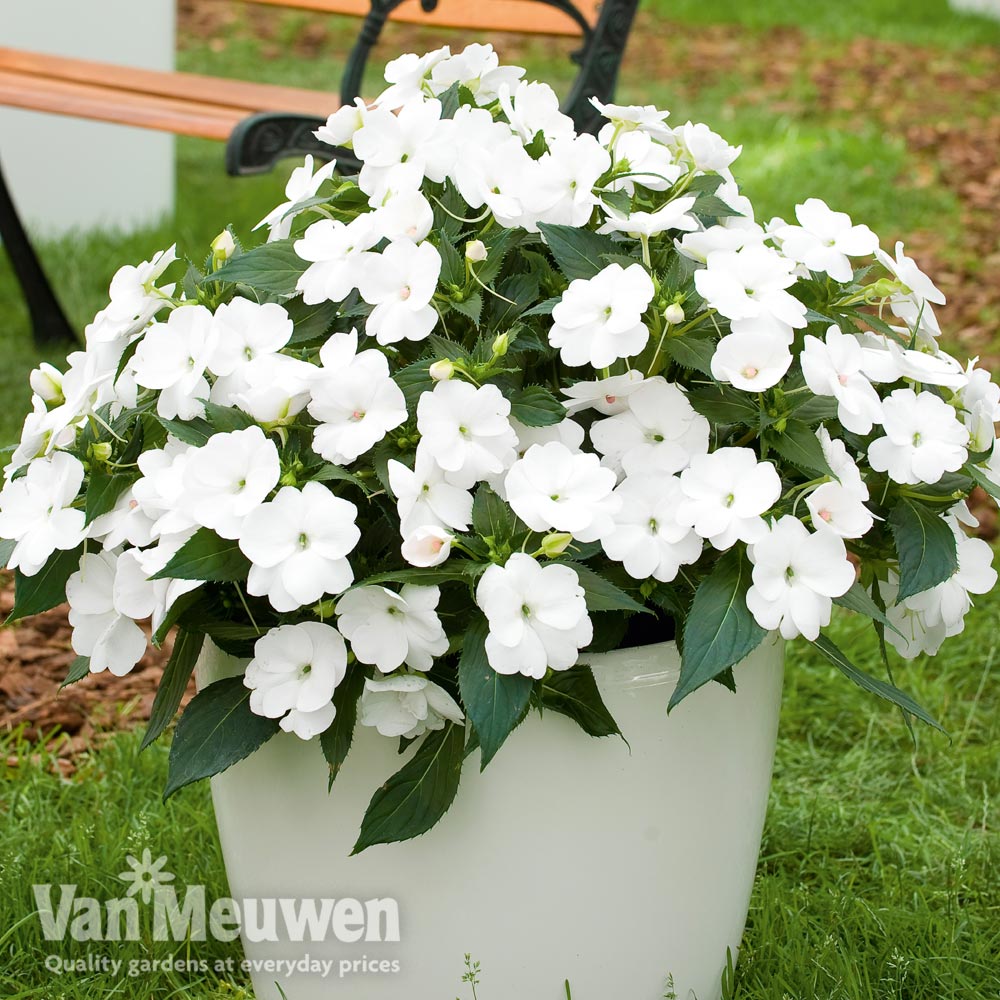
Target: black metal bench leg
{"points": [[48, 322]]}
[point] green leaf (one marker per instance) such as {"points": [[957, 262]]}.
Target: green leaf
{"points": [[194, 432], [464, 571], [798, 444], [601, 594], [175, 612], [334, 473], [206, 556], [7, 546], [414, 380], [692, 351], [311, 321], [417, 795], [884, 690], [858, 600], [103, 491], [173, 683], [336, 741], [710, 206], [719, 631], [216, 731], [724, 405], [545, 307], [495, 703], [47, 588], [445, 348], [577, 251], [225, 419], [274, 267], [78, 669], [574, 693], [498, 244], [809, 409], [620, 201], [492, 517], [535, 406], [452, 264], [471, 307], [983, 481], [925, 546]]}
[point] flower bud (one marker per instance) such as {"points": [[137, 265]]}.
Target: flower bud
{"points": [[884, 288], [674, 314], [46, 382], [441, 370], [223, 246], [556, 543], [101, 451], [475, 251], [501, 345]]}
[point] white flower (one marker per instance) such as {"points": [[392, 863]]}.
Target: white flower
{"points": [[796, 575], [36, 512], [844, 467], [276, 388], [125, 522], [466, 430], [641, 160], [342, 124], [161, 487], [749, 285], [923, 440], [598, 321], [646, 537], [302, 185], [824, 240], [427, 546], [406, 705], [354, 399], [532, 108], [388, 630], [948, 603], [338, 257], [296, 669], [835, 368], [606, 395], [245, 330], [567, 432], [136, 594], [886, 361], [752, 361], [227, 478], [724, 495], [400, 283], [672, 215], [101, 630], [406, 215], [553, 487], [478, 69], [629, 117], [704, 149], [562, 188], [912, 635], [412, 137], [407, 74], [298, 544], [537, 616], [658, 432], [173, 356], [837, 508], [912, 305], [699, 246], [425, 497], [134, 299], [46, 382]]}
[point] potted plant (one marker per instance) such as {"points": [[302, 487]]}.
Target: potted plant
{"points": [[516, 429]]}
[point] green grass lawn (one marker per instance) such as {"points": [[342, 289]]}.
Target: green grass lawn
{"points": [[880, 870]]}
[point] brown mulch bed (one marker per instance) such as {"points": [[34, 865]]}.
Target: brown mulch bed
{"points": [[35, 656]]}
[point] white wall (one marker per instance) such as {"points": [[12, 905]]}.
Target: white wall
{"points": [[65, 173]]}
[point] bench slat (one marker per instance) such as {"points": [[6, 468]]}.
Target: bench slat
{"points": [[524, 16], [207, 121], [245, 96]]}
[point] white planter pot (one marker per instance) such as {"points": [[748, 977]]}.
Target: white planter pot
{"points": [[569, 858]]}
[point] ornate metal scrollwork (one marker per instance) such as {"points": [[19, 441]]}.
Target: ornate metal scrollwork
{"points": [[260, 141]]}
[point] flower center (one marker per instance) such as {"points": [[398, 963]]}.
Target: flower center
{"points": [[750, 372], [610, 400], [917, 438], [525, 610], [842, 379], [728, 501], [305, 670], [653, 526], [404, 292], [789, 574], [358, 415], [826, 515], [303, 541]]}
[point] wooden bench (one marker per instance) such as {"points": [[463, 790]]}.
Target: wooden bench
{"points": [[262, 123]]}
